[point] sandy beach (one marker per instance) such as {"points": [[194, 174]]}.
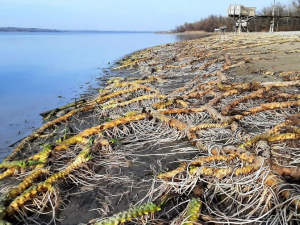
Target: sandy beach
{"points": [[207, 130]]}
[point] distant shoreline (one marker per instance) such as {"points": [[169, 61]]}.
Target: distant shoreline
{"points": [[185, 33], [17, 29], [34, 30]]}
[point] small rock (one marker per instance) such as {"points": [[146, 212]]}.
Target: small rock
{"points": [[114, 117], [60, 113]]}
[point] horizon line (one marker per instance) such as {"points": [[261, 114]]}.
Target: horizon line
{"points": [[68, 30]]}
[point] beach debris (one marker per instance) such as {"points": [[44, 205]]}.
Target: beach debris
{"points": [[240, 143]]}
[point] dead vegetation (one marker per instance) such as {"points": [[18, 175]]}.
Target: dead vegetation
{"points": [[235, 159]]}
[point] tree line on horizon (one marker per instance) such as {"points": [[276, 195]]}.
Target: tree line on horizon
{"points": [[211, 22]]}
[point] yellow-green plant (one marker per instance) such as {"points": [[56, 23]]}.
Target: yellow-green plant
{"points": [[193, 211], [30, 193], [131, 213]]}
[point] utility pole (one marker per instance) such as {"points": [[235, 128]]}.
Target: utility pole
{"points": [[273, 21], [287, 19], [277, 20]]}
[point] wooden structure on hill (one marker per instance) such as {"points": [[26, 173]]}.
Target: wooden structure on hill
{"points": [[242, 16]]}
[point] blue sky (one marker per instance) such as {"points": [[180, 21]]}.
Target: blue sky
{"points": [[135, 15]]}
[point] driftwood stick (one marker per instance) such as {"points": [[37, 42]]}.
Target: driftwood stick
{"points": [[80, 101]]}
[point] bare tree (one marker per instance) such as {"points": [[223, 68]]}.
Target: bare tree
{"points": [[211, 22]]}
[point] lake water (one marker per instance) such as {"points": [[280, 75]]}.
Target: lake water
{"points": [[41, 71]]}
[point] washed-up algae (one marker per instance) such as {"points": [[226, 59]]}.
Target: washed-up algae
{"points": [[194, 136]]}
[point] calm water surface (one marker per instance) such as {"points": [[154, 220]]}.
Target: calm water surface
{"points": [[41, 71]]}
